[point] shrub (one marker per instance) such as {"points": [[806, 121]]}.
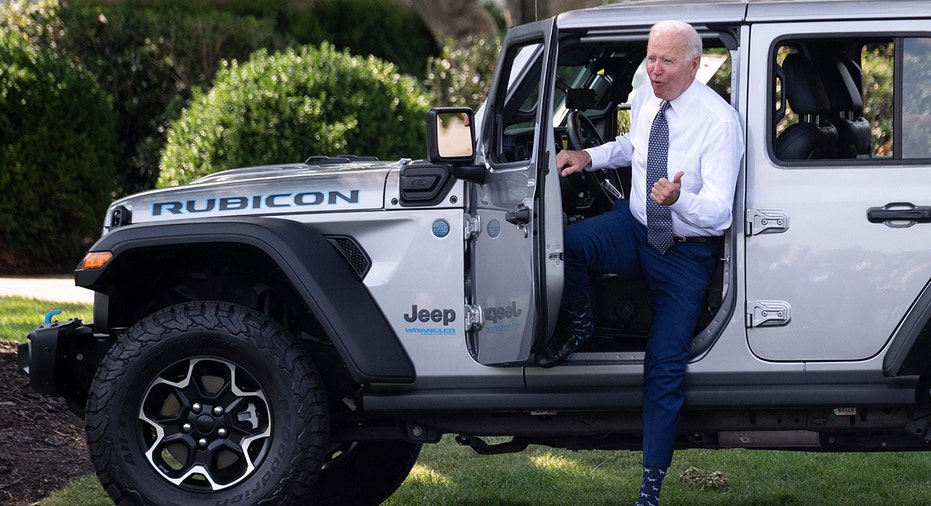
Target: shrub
{"points": [[150, 60], [462, 74], [387, 29], [150, 54], [147, 58], [288, 105], [57, 147]]}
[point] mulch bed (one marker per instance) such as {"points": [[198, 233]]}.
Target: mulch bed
{"points": [[42, 443]]}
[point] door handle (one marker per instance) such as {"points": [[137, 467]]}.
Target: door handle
{"points": [[899, 214]]}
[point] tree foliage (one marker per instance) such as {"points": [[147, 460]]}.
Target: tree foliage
{"points": [[150, 54], [57, 149], [381, 28], [285, 106], [147, 58], [462, 74], [878, 63]]}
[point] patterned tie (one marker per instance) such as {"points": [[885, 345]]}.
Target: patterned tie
{"points": [[659, 218]]}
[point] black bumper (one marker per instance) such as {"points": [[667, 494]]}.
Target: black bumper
{"points": [[61, 359]]}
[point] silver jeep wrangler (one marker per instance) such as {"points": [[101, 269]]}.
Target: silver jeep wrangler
{"points": [[295, 333]]}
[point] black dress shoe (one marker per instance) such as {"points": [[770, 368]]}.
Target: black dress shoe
{"points": [[581, 326], [549, 355]]}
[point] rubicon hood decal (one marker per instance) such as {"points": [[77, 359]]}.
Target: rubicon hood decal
{"points": [[294, 189], [275, 201]]}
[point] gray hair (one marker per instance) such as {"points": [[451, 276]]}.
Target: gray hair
{"points": [[672, 26]]}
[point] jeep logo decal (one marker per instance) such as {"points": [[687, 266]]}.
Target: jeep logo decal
{"points": [[496, 314], [238, 203], [446, 316]]}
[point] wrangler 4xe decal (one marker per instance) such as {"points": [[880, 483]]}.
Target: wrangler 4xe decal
{"points": [[444, 316], [239, 203]]}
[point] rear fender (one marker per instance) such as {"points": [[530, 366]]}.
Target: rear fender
{"points": [[910, 351]]}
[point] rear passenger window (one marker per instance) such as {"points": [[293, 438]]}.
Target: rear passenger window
{"points": [[916, 98], [839, 98]]}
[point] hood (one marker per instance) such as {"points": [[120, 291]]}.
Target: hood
{"points": [[317, 186]]}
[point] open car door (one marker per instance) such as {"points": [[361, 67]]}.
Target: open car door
{"points": [[516, 278]]}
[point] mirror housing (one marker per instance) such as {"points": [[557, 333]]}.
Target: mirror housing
{"points": [[451, 142], [451, 135]]}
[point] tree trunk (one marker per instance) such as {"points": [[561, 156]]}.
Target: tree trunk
{"points": [[454, 18], [527, 11], [458, 19]]}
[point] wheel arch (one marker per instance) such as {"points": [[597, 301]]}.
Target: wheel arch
{"points": [[216, 257]]}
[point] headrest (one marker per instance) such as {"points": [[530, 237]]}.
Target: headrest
{"points": [[803, 89], [843, 92]]}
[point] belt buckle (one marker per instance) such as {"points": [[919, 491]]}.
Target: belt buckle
{"points": [[699, 239]]}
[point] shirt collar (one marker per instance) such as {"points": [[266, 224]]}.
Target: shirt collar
{"points": [[681, 103]]}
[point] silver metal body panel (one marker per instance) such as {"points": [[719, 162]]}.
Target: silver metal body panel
{"points": [[848, 282], [619, 16], [271, 190]]}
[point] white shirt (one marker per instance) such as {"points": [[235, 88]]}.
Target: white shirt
{"points": [[705, 141]]}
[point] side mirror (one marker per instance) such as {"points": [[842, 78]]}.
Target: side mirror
{"points": [[451, 141], [450, 135]]}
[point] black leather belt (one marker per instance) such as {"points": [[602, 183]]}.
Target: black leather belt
{"points": [[698, 240]]}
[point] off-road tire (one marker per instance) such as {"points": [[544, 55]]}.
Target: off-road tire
{"points": [[147, 394]]}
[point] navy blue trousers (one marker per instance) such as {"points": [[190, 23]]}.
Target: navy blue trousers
{"points": [[615, 242]]}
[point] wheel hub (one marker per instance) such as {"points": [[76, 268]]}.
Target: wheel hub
{"points": [[206, 424]]}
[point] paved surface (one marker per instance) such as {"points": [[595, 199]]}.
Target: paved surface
{"points": [[50, 288]]}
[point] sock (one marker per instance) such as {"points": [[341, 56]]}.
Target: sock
{"points": [[581, 323], [652, 483]]}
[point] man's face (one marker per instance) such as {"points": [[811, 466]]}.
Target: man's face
{"points": [[670, 71]]}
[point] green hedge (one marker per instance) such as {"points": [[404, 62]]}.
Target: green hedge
{"points": [[150, 54], [386, 29], [461, 75], [286, 106], [57, 149], [149, 60]]}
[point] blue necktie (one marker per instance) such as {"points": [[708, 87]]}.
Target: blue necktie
{"points": [[659, 218]]}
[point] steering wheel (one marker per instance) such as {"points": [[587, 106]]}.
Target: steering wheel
{"points": [[583, 134]]}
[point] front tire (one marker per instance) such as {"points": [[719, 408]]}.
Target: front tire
{"points": [[207, 402]]}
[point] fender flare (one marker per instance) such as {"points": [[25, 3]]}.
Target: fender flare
{"points": [[910, 351], [316, 270]]}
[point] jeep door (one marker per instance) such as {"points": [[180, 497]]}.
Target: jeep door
{"points": [[513, 254], [837, 229]]}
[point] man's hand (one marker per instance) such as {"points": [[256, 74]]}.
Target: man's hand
{"points": [[568, 161], [666, 192]]}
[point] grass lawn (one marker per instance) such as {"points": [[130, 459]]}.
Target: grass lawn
{"points": [[19, 315], [447, 474]]}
